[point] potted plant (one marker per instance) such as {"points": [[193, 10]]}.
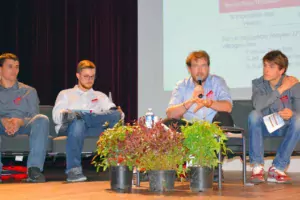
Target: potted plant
{"points": [[113, 152], [203, 141], [161, 154]]}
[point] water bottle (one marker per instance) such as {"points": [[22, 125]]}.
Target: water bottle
{"points": [[136, 177], [149, 118]]}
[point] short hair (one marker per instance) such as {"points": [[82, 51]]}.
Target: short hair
{"points": [[85, 64], [6, 56], [197, 55], [278, 58]]}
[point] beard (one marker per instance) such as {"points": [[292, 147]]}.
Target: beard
{"points": [[86, 86], [202, 79]]}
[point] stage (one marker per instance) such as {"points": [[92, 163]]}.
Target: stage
{"points": [[98, 188]]}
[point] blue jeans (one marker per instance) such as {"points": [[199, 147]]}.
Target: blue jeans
{"points": [[258, 130], [38, 131], [78, 129]]}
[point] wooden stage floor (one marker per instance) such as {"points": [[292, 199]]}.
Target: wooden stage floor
{"points": [[99, 189]]}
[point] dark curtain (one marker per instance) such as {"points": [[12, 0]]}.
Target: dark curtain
{"points": [[51, 36]]}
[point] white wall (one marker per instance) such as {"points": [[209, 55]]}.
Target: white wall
{"points": [[150, 58], [151, 93]]}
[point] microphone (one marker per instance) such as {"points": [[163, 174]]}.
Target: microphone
{"points": [[200, 83]]}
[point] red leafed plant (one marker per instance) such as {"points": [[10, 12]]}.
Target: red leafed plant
{"points": [[157, 148], [112, 148]]}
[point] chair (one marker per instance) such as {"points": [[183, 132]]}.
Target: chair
{"points": [[233, 133]]}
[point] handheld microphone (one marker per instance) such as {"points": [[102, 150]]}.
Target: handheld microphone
{"points": [[200, 83]]}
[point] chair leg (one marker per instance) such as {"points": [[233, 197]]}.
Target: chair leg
{"points": [[244, 160], [220, 168], [138, 180]]}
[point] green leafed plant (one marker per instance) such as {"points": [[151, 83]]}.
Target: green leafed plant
{"points": [[201, 140]]}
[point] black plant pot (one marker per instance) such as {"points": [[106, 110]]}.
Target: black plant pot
{"points": [[201, 178], [120, 179], [162, 180]]}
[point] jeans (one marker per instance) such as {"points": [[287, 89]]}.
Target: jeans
{"points": [[258, 130], [88, 125], [38, 131]]}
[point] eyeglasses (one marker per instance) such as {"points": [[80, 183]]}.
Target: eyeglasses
{"points": [[200, 66], [87, 77]]}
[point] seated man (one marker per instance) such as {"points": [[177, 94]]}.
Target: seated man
{"points": [[81, 112], [274, 92], [202, 96], [19, 114]]}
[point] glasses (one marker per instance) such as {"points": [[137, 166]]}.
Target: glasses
{"points": [[87, 77], [200, 66]]}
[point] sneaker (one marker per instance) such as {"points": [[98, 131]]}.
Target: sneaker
{"points": [[277, 176], [76, 175], [35, 175], [257, 174]]}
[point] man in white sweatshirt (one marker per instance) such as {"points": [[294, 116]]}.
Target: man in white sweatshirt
{"points": [[81, 112]]}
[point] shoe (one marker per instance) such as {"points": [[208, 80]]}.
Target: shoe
{"points": [[35, 175], [257, 174], [277, 176], [76, 175]]}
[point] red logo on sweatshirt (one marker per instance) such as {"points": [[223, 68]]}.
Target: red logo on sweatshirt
{"points": [[284, 99], [17, 101]]}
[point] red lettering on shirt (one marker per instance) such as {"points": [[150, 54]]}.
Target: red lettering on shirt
{"points": [[17, 101]]}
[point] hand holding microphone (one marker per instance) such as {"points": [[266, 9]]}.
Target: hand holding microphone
{"points": [[200, 83], [198, 91]]}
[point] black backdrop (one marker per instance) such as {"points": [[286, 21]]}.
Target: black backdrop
{"points": [[51, 36]]}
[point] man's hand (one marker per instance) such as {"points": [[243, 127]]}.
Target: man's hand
{"points": [[286, 113], [198, 90], [68, 116], [12, 125], [121, 111], [199, 103], [287, 83], [207, 103], [202, 102], [6, 122], [17, 123]]}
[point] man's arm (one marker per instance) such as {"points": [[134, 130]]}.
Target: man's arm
{"points": [[223, 102], [33, 105], [177, 105], [295, 97], [262, 100], [177, 111], [103, 103], [221, 106], [61, 105]]}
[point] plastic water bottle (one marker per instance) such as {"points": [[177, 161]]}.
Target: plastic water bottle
{"points": [[136, 177], [149, 118]]}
